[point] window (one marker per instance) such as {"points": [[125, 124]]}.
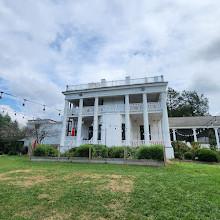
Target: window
{"points": [[100, 132], [123, 131]]}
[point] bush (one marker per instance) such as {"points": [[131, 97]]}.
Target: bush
{"points": [[12, 152], [179, 146], [207, 155], [100, 151], [83, 150], [177, 155], [153, 152], [188, 155], [45, 151], [115, 152], [156, 152], [69, 153], [143, 152], [131, 152]]}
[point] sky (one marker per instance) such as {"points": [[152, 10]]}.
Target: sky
{"points": [[48, 44]]}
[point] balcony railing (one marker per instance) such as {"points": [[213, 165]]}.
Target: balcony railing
{"points": [[113, 83], [71, 141], [134, 107]]}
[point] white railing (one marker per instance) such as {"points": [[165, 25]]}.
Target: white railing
{"points": [[70, 141], [104, 83], [134, 107], [135, 143]]}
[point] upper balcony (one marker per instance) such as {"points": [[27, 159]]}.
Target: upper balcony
{"points": [[104, 83], [135, 108]]}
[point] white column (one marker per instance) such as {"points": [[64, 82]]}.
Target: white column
{"points": [[174, 134], [165, 126], [95, 121], [79, 124], [63, 134], [194, 134], [127, 121], [145, 116], [217, 138]]}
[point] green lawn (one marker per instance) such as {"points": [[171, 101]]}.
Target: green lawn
{"points": [[44, 190]]}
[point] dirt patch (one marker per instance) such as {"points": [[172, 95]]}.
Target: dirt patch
{"points": [[43, 196], [123, 185], [114, 176], [95, 176], [31, 181], [15, 171]]}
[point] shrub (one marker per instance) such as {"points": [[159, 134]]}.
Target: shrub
{"points": [[83, 150], [12, 152], [115, 152], [153, 152], [45, 151], [100, 151], [177, 154], [188, 155], [143, 152], [131, 152], [179, 146], [207, 155], [156, 152], [194, 147], [69, 153]]}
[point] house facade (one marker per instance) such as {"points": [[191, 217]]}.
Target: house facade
{"points": [[44, 131], [129, 112]]}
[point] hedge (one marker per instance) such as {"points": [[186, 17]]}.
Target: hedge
{"points": [[153, 152], [188, 155], [45, 151], [207, 155]]}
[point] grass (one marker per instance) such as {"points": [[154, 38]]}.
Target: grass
{"points": [[44, 190]]}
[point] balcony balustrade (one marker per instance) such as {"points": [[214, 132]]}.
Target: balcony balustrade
{"points": [[134, 107], [105, 83]]}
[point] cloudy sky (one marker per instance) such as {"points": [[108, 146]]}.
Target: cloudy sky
{"points": [[47, 44]]}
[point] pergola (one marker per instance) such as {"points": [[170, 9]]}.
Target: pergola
{"points": [[195, 123]]}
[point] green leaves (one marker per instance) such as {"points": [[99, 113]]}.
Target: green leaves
{"points": [[187, 103]]}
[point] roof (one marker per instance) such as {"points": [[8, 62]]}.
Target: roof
{"points": [[194, 122]]}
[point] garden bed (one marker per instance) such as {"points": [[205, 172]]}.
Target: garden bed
{"points": [[121, 161]]}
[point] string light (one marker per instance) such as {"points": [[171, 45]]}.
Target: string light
{"points": [[26, 100], [24, 103]]}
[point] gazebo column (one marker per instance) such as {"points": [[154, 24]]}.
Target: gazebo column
{"points": [[63, 134], [146, 123], [174, 134], [217, 138], [95, 121], [194, 134], [79, 124]]}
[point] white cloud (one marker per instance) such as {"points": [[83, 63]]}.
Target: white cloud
{"points": [[97, 39]]}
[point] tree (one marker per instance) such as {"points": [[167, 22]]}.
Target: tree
{"points": [[10, 133], [187, 103]]}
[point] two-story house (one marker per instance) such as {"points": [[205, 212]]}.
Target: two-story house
{"points": [[129, 112]]}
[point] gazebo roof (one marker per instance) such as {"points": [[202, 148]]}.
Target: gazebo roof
{"points": [[194, 122]]}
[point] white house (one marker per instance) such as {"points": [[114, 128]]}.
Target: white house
{"points": [[128, 112], [44, 131]]}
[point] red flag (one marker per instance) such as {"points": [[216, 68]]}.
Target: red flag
{"points": [[35, 143], [73, 133]]}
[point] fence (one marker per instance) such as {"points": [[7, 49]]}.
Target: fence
{"points": [[97, 160]]}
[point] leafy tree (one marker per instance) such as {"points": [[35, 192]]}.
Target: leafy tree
{"points": [[187, 103], [10, 133]]}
